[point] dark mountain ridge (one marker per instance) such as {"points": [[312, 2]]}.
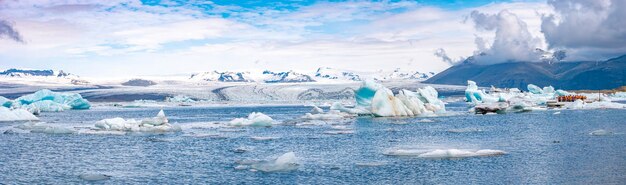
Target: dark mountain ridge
{"points": [[608, 74]]}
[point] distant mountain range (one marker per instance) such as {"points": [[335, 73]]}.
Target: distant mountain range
{"points": [[47, 74], [32, 72], [324, 74], [562, 75]]}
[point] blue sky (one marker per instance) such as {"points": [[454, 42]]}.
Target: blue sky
{"points": [[151, 37]]}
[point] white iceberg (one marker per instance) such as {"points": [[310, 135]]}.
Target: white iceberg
{"points": [[285, 162], [45, 128], [445, 153], [255, 119], [46, 100], [375, 99], [158, 124], [7, 114], [600, 132], [579, 104], [5, 102], [319, 114]]}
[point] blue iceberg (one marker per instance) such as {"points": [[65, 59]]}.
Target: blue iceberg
{"points": [[49, 101], [375, 99]]}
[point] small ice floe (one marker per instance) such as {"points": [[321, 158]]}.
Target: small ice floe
{"points": [[232, 130], [241, 150], [45, 128], [338, 132], [425, 121], [203, 135], [600, 132], [255, 119], [555, 113], [444, 153], [242, 167], [371, 164], [464, 130], [94, 177], [285, 162], [261, 138], [16, 115], [158, 124]]}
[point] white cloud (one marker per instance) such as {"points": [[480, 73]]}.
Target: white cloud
{"points": [[588, 29], [124, 37]]}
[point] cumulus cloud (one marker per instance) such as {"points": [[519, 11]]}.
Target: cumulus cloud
{"points": [[587, 28], [512, 41], [7, 31]]}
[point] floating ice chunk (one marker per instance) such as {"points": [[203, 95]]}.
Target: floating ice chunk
{"points": [[425, 121], [5, 102], [579, 104], [16, 115], [317, 110], [255, 119], [371, 164], [534, 89], [285, 162], [158, 124], [94, 177], [46, 100], [444, 153], [600, 132], [262, 138], [373, 98], [338, 132], [473, 95], [555, 113], [45, 128], [47, 106], [548, 89], [464, 130]]}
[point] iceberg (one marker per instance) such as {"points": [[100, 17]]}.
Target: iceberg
{"points": [[45, 128], [374, 99], [7, 114], [48, 101], [319, 114], [158, 124], [579, 104], [255, 119], [5, 102], [600, 132], [285, 162]]}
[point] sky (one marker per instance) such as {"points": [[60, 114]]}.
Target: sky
{"points": [[164, 37]]}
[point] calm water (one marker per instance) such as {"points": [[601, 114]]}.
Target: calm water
{"points": [[542, 149]]}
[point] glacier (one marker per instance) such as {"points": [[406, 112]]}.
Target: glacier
{"points": [[48, 101], [158, 124], [374, 99], [7, 114]]}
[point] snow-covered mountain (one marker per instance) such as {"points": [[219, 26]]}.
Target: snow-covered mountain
{"points": [[285, 77], [322, 74], [265, 76], [35, 74], [399, 74], [227, 76], [335, 74]]}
